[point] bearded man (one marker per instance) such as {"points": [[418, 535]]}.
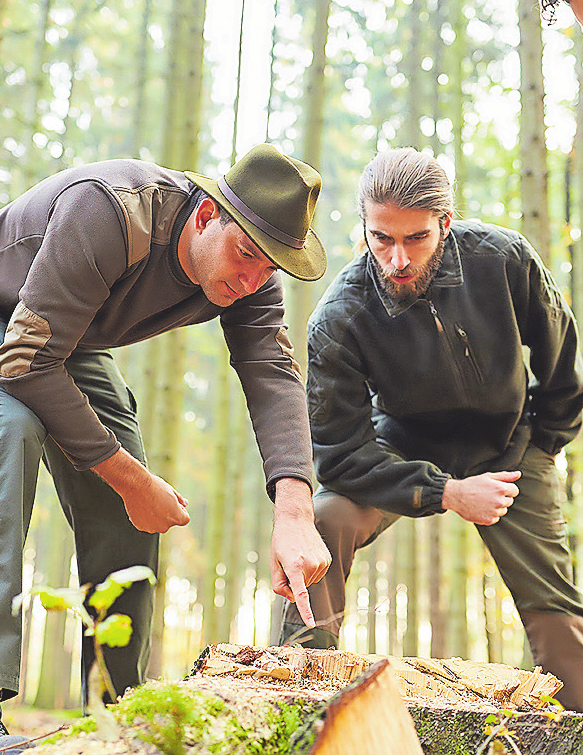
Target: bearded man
{"points": [[420, 401]]}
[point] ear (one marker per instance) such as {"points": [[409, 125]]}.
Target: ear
{"points": [[206, 211], [446, 224]]}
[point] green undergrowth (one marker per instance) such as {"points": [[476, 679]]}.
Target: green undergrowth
{"points": [[181, 721]]}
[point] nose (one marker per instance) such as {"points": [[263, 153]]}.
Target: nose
{"points": [[399, 257], [251, 280]]}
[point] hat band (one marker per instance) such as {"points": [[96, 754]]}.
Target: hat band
{"points": [[263, 225]]}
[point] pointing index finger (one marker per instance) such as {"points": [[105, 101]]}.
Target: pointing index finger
{"points": [[302, 598]]}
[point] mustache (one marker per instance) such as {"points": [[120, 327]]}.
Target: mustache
{"points": [[391, 272]]}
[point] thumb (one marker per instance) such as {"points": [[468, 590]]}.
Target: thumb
{"points": [[507, 476]]}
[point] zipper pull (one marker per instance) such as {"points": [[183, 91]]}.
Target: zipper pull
{"points": [[435, 316]]}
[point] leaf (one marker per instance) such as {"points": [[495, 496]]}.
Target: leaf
{"points": [[107, 592], [115, 630], [61, 598]]}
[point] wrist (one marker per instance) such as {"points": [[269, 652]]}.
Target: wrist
{"points": [[293, 497], [450, 494], [122, 471]]}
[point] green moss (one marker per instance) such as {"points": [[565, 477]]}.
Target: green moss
{"points": [[84, 726], [176, 719]]}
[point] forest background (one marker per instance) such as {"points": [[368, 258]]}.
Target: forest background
{"points": [[484, 85]]}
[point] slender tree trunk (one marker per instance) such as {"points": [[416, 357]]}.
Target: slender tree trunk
{"points": [[216, 514], [55, 673], [533, 151], [139, 112], [169, 149], [234, 518], [35, 89], [457, 626], [193, 90], [373, 596], [272, 75], [411, 126], [301, 293], [436, 24], [458, 51], [436, 608]]}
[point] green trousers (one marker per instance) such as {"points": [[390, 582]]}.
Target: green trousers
{"points": [[529, 546], [105, 539]]}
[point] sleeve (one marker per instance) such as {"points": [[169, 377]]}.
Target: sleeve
{"points": [[262, 355], [556, 393], [83, 252], [349, 457]]}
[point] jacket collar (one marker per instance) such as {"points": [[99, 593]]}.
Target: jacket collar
{"points": [[449, 274]]}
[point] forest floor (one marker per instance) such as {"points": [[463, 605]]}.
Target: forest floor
{"points": [[35, 722]]}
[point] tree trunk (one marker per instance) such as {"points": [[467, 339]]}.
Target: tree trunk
{"points": [[301, 293], [411, 125], [55, 673], [139, 109], [215, 519], [533, 151]]}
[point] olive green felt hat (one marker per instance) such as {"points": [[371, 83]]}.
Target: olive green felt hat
{"points": [[272, 198]]}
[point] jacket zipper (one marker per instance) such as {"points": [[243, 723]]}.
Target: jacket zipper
{"points": [[458, 371], [438, 322], [468, 352]]}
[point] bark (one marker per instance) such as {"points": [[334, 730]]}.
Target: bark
{"points": [[533, 151], [457, 616], [55, 672], [139, 111], [315, 93], [412, 61], [215, 518], [194, 85]]}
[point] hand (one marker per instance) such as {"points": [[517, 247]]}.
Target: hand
{"points": [[481, 499], [298, 554], [151, 503], [156, 506]]}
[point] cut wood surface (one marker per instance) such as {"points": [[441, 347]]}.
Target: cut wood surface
{"points": [[454, 680], [343, 703], [369, 717]]}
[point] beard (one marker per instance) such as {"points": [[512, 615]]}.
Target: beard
{"points": [[423, 275]]}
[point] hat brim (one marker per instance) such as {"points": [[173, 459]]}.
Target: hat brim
{"points": [[307, 263]]}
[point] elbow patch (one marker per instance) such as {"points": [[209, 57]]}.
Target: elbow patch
{"points": [[26, 334]]}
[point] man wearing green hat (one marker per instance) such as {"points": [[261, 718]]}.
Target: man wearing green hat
{"points": [[112, 253]]}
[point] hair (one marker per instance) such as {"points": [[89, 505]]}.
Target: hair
{"points": [[224, 217], [407, 179]]}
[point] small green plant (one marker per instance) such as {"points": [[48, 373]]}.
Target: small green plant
{"points": [[114, 630], [555, 713], [497, 727]]}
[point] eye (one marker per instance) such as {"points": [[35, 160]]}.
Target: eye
{"points": [[247, 255]]}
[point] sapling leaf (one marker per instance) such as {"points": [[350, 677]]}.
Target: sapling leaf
{"points": [[115, 630], [107, 592], [61, 598]]}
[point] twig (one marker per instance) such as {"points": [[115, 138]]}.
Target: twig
{"points": [[498, 731], [33, 739]]}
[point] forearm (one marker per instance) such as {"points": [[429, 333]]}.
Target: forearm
{"points": [[151, 503], [123, 472]]}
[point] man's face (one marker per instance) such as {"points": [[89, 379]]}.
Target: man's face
{"points": [[221, 259], [407, 246]]}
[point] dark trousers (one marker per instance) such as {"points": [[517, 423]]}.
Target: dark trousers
{"points": [[105, 539], [529, 546]]}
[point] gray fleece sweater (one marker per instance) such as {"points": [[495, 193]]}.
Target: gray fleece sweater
{"points": [[89, 259]]}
